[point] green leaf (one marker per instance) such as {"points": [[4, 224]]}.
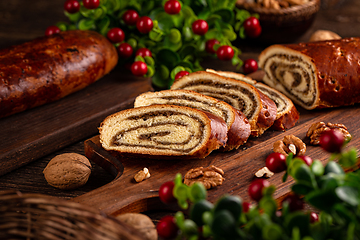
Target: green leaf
{"points": [[298, 220], [269, 205], [226, 14], [334, 168], [73, 17], [349, 158], [190, 227], [223, 225], [344, 213], [86, 24], [317, 168], [272, 232], [229, 34], [301, 188], [198, 209], [231, 203], [165, 21], [197, 192], [168, 58], [103, 25], [174, 35], [349, 195], [175, 71], [322, 199], [150, 72]]}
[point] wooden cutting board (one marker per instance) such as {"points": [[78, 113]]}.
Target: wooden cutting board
{"points": [[123, 194], [32, 134]]}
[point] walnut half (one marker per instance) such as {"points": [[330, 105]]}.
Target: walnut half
{"points": [[289, 144], [318, 128], [211, 176]]}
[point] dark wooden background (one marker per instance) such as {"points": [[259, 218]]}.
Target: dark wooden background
{"points": [[22, 20]]}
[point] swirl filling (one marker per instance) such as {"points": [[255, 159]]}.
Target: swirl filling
{"points": [[291, 75], [235, 95]]}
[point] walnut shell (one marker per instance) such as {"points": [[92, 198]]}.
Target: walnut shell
{"points": [[142, 223], [67, 171]]}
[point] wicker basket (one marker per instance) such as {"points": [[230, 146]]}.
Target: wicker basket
{"points": [[36, 216], [284, 25]]}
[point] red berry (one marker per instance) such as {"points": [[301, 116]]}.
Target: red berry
{"points": [[166, 227], [166, 192], [308, 160], [209, 46], [52, 30], [72, 6], [332, 141], [172, 7], [200, 27], [276, 162], [246, 207], [139, 68], [91, 4], [252, 27], [294, 201], [130, 17], [256, 188], [314, 217], [225, 53], [116, 35], [144, 24], [250, 65], [181, 74], [143, 52], [125, 50]]}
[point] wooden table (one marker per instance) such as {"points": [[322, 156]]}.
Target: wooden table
{"points": [[23, 20]]}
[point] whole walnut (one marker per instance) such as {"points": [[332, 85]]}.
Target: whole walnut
{"points": [[67, 171], [142, 223]]}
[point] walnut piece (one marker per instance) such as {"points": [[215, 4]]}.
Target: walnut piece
{"points": [[211, 176], [289, 144], [264, 172], [142, 175], [316, 129]]}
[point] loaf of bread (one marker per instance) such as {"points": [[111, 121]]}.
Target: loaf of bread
{"points": [[237, 124], [49, 68], [287, 115], [257, 107], [163, 131], [315, 74]]}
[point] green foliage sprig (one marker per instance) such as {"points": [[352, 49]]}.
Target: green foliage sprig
{"points": [[173, 44], [334, 193]]}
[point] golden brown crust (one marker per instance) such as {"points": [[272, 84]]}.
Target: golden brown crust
{"points": [[267, 115], [49, 68], [287, 115], [239, 132], [215, 138], [333, 66], [287, 121]]}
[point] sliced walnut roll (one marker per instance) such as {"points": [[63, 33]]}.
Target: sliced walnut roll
{"points": [[286, 116], [163, 131], [316, 74], [238, 125], [257, 107]]}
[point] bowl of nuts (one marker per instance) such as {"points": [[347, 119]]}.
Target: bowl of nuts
{"points": [[282, 21]]}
